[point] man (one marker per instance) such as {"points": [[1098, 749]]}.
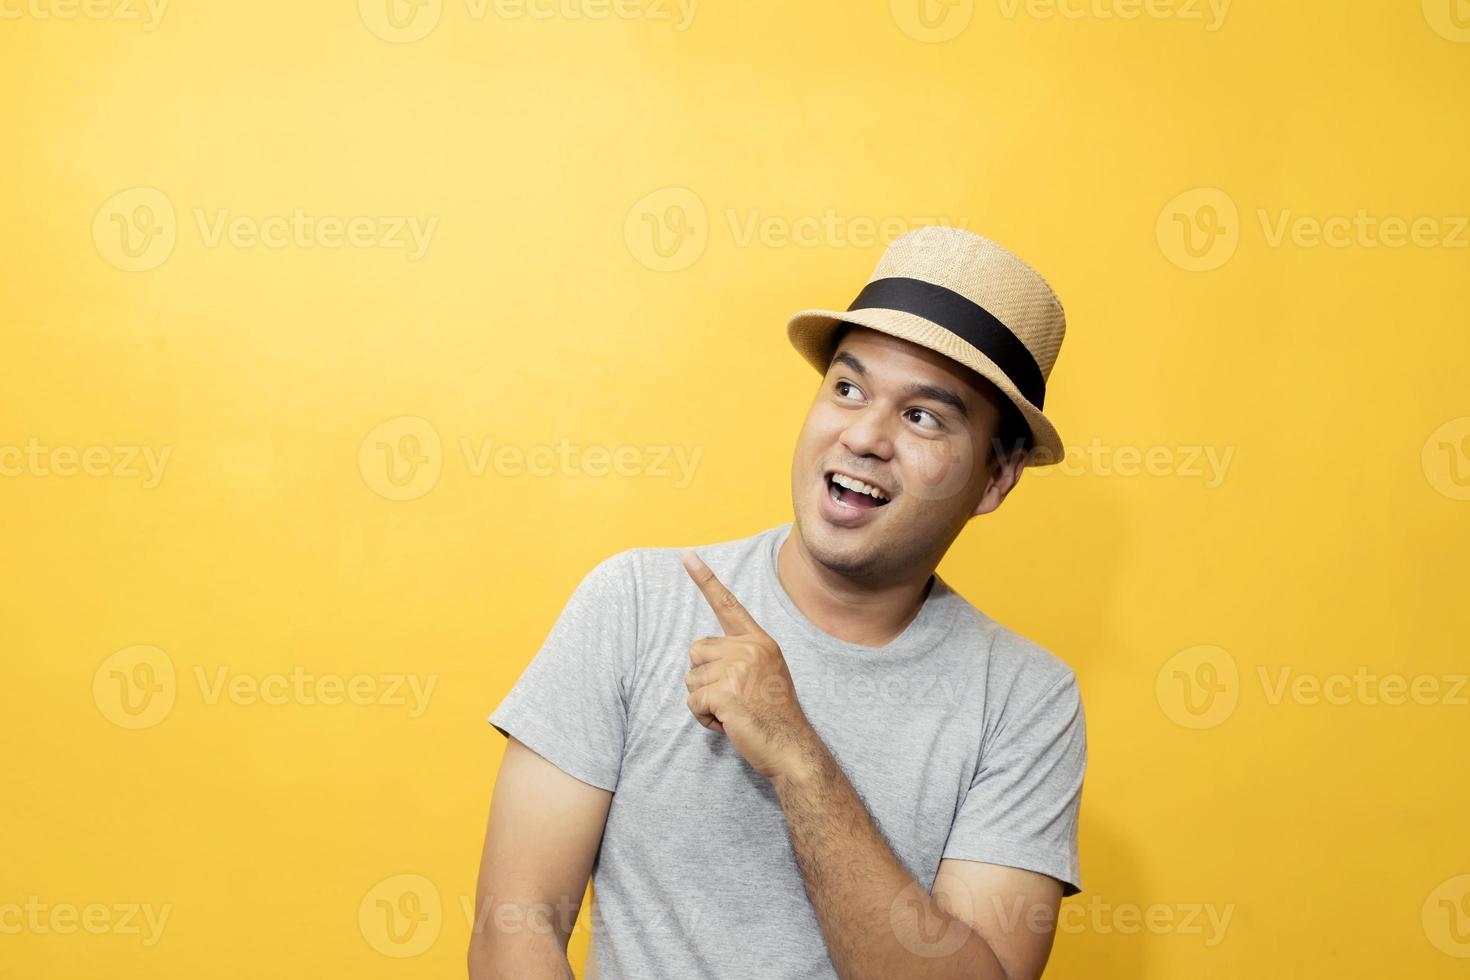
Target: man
{"points": [[801, 754]]}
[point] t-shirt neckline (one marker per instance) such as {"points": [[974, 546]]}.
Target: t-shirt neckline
{"points": [[935, 619]]}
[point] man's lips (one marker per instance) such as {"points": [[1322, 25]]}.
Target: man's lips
{"points": [[846, 508], [886, 492]]}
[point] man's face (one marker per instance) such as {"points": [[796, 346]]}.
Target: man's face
{"points": [[912, 423]]}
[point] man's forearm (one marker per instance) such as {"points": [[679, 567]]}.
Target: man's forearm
{"points": [[877, 920]]}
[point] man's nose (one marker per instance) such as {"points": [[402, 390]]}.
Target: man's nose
{"points": [[869, 434]]}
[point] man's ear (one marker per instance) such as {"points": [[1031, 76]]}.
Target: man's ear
{"points": [[1001, 480]]}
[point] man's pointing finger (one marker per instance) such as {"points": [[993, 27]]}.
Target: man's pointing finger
{"points": [[728, 610]]}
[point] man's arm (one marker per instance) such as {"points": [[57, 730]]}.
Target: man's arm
{"points": [[877, 922], [544, 831], [982, 922]]}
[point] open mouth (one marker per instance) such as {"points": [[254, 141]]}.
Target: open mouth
{"points": [[853, 492]]}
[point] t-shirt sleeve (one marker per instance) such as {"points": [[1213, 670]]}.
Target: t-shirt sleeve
{"points": [[1022, 806], [570, 703]]}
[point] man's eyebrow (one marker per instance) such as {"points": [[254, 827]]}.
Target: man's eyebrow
{"points": [[917, 389], [942, 395], [843, 357]]}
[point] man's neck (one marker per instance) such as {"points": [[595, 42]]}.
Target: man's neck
{"points": [[833, 604]]}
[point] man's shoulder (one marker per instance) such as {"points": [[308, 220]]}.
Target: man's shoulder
{"points": [[1027, 687], [1018, 662]]}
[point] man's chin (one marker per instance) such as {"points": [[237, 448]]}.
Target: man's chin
{"points": [[848, 551]]}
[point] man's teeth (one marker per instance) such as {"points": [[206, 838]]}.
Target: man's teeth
{"points": [[858, 486]]}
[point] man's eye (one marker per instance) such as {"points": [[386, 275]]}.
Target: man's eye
{"points": [[924, 411], [842, 385]]}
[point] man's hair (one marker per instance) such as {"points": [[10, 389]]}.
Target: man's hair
{"points": [[1011, 433]]}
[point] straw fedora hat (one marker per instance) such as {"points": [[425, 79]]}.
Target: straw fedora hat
{"points": [[975, 302]]}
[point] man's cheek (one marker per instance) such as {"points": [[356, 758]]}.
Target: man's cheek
{"points": [[823, 441], [935, 471]]}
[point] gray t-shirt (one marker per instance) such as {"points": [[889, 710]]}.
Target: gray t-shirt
{"points": [[963, 739]]}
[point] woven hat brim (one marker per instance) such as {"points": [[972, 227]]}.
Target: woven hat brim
{"points": [[811, 332]]}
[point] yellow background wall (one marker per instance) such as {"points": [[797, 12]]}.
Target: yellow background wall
{"points": [[1254, 556]]}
